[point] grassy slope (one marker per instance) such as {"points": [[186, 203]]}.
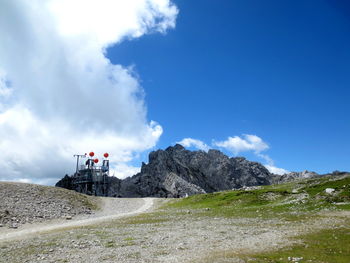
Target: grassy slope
{"points": [[308, 195], [329, 245], [308, 200]]}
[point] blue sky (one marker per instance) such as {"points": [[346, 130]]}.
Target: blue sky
{"points": [[276, 69]]}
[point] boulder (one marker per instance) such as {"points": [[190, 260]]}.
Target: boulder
{"points": [[329, 190]]}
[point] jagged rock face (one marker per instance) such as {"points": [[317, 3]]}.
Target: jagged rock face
{"points": [[177, 172]]}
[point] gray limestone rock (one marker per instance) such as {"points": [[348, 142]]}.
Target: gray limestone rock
{"points": [[177, 172], [275, 179]]}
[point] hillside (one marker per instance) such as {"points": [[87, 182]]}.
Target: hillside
{"points": [[301, 221], [292, 199], [28, 203]]}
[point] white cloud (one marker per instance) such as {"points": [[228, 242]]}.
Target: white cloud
{"points": [[276, 170], [236, 144], [270, 164], [245, 143], [24, 180], [189, 142], [123, 170], [60, 94]]}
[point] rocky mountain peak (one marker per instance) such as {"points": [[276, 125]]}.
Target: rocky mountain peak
{"points": [[176, 148], [176, 172]]}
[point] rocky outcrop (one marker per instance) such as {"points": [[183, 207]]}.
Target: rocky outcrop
{"points": [[177, 172], [276, 179]]}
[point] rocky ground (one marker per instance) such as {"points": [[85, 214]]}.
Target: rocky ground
{"points": [[219, 227], [28, 203], [179, 236]]}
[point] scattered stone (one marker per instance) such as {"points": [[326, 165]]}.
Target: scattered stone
{"points": [[14, 226], [250, 188], [341, 203], [28, 203], [181, 246], [329, 190], [295, 259]]}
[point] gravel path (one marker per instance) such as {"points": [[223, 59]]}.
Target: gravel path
{"points": [[132, 230], [112, 208], [158, 237]]}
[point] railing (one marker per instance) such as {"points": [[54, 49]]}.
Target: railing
{"points": [[86, 178], [95, 168]]}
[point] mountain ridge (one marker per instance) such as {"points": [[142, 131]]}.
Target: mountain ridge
{"points": [[177, 172]]}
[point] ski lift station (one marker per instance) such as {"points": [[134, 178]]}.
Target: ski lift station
{"points": [[90, 177]]}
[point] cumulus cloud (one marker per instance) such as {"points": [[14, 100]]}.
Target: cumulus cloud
{"points": [[61, 95], [245, 143], [276, 170], [236, 145], [252, 143], [270, 164], [189, 142], [122, 170]]}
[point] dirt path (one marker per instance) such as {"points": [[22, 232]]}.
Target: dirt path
{"points": [[112, 208], [170, 236]]}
